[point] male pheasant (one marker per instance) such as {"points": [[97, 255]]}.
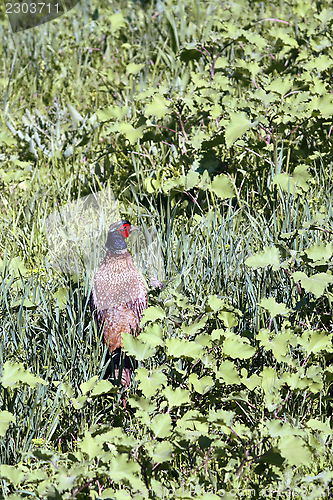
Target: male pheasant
{"points": [[118, 296]]}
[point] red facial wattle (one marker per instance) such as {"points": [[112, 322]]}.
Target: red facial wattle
{"points": [[125, 230]]}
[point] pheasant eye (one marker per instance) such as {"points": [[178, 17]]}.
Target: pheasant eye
{"points": [[125, 230]]}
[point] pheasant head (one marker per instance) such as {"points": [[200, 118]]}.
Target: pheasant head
{"points": [[118, 232]]}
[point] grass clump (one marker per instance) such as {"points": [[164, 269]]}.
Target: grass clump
{"points": [[211, 128]]}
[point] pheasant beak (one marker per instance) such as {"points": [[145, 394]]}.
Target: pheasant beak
{"points": [[126, 228]]}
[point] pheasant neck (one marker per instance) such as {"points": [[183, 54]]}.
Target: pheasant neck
{"points": [[116, 243], [119, 252]]}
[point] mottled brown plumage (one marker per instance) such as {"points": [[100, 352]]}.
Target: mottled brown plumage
{"points": [[118, 296]]}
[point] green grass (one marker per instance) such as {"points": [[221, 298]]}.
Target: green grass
{"points": [[231, 392]]}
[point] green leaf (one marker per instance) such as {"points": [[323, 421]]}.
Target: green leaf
{"points": [[131, 133], [75, 115], [27, 378], [295, 451], [113, 436], [11, 375], [223, 187], [152, 314], [161, 426], [188, 53], [117, 21], [280, 85], [152, 335], [15, 374], [316, 284], [89, 385], [301, 177], [229, 319], [204, 339], [221, 63], [279, 344], [79, 403], [238, 347], [190, 422], [102, 387], [66, 388], [157, 107], [61, 297], [272, 400], [123, 469], [298, 181], [135, 347], [183, 348], [270, 381], [150, 382], [271, 456], [265, 97], [13, 473], [237, 126], [228, 373], [294, 380], [143, 404], [149, 185], [6, 176], [24, 303], [194, 327], [220, 333], [160, 452], [205, 181], [192, 179], [66, 479], [323, 104], [202, 385], [320, 252], [274, 308], [116, 112], [252, 382], [198, 139], [6, 138], [111, 493], [90, 446], [317, 425], [221, 417], [325, 15], [176, 397], [6, 418], [285, 181], [215, 302], [314, 378], [314, 342], [269, 257], [173, 182], [133, 68], [17, 265]]}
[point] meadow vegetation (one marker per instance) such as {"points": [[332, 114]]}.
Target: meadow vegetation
{"points": [[212, 124]]}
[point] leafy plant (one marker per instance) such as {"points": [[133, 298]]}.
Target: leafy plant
{"points": [[212, 125]]}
